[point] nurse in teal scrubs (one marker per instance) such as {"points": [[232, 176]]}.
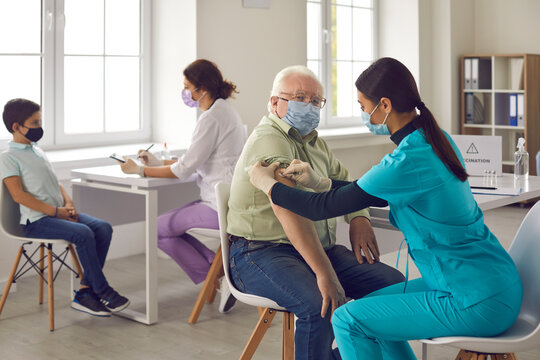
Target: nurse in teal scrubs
{"points": [[469, 284]]}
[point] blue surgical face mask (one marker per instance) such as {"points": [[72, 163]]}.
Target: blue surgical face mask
{"points": [[302, 116], [377, 129]]}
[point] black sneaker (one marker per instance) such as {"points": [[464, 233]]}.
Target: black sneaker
{"points": [[113, 300], [86, 300], [227, 300]]}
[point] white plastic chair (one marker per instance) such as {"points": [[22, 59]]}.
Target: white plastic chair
{"points": [[525, 333], [208, 291], [269, 307], [10, 229]]}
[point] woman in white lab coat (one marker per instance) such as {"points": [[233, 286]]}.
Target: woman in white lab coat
{"points": [[216, 144]]}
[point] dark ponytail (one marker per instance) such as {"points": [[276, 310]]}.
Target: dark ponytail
{"points": [[389, 78], [204, 73]]}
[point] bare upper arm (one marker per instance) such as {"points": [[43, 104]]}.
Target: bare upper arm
{"points": [[14, 186]]}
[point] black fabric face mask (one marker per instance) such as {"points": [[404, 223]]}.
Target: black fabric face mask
{"points": [[34, 134]]}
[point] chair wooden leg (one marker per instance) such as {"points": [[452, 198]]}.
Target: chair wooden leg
{"points": [[10, 278], [260, 309], [208, 287], [212, 292], [258, 333], [41, 269], [219, 275], [287, 352], [76, 261], [50, 274], [463, 355], [507, 356]]}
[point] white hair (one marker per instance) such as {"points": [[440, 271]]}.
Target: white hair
{"points": [[277, 86]]}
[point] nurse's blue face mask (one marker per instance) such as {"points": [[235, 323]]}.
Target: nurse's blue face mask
{"points": [[377, 129], [303, 116]]}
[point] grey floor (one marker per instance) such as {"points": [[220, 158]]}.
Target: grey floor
{"points": [[24, 330]]}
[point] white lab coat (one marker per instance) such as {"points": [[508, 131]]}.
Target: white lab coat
{"points": [[216, 144]]}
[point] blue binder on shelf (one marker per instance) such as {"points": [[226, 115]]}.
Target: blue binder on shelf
{"points": [[469, 108], [513, 110]]}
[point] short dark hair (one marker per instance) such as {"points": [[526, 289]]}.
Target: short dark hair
{"points": [[204, 73], [18, 111]]}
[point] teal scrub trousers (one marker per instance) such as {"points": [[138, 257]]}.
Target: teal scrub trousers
{"points": [[379, 325]]}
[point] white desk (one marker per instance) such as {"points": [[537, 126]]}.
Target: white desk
{"points": [[530, 190], [108, 193]]}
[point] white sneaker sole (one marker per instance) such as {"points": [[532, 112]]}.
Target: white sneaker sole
{"points": [[79, 307], [120, 308]]}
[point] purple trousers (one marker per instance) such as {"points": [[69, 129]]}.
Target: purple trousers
{"points": [[188, 252]]}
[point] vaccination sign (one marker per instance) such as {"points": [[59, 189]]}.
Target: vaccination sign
{"points": [[481, 153]]}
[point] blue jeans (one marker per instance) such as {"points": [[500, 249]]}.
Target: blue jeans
{"points": [[378, 326], [278, 272], [91, 237]]}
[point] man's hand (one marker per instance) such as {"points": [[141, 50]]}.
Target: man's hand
{"points": [[363, 240], [149, 159], [332, 293], [302, 173], [262, 175]]}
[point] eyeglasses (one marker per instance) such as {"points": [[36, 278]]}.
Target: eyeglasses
{"points": [[301, 96]]}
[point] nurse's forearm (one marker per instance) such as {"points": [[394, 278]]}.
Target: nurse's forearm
{"points": [[339, 183], [317, 206], [169, 162], [159, 171]]}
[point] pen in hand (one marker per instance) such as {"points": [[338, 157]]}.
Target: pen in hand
{"points": [[138, 156]]}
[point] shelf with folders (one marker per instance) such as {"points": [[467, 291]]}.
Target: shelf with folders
{"points": [[500, 96]]}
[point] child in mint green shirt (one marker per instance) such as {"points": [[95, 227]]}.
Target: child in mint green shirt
{"points": [[48, 212]]}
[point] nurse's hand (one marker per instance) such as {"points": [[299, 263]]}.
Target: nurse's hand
{"points": [[262, 176], [332, 293], [363, 240], [302, 173], [130, 166], [149, 159]]}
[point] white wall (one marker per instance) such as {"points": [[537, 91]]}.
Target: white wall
{"points": [[250, 46], [507, 27], [173, 48], [398, 32]]}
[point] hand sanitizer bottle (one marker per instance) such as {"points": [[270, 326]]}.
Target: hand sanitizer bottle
{"points": [[165, 154], [521, 161]]}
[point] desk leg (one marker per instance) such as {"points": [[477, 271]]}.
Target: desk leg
{"points": [[151, 257], [151, 315]]}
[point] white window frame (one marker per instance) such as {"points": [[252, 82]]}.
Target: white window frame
{"points": [[327, 120], [52, 83]]}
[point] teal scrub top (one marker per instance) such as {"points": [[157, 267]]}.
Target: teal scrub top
{"points": [[443, 226]]}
